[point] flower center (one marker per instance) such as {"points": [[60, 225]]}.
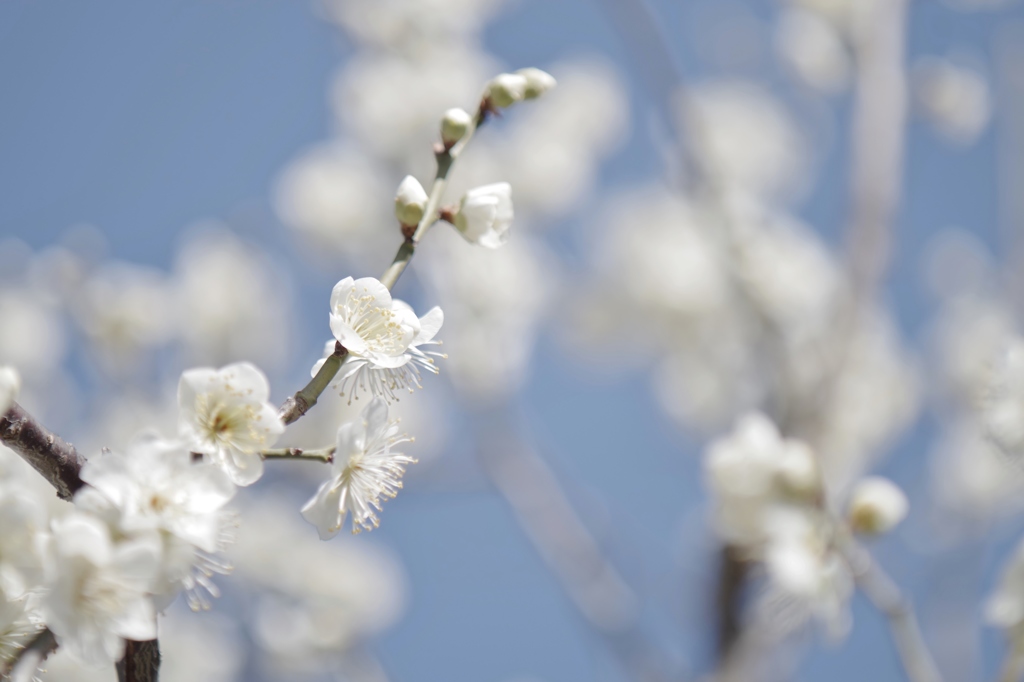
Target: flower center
{"points": [[377, 326]]}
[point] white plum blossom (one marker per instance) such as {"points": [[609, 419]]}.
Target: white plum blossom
{"points": [[752, 472], [382, 336], [410, 201], [98, 591], [876, 506], [225, 416], [364, 468], [23, 523], [155, 486], [17, 625], [485, 215], [10, 385]]}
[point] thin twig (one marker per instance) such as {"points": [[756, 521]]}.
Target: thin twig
{"points": [[53, 457], [300, 403], [886, 596], [325, 455]]}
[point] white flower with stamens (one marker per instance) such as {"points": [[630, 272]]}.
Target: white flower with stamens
{"points": [[98, 592], [225, 415], [17, 627], [485, 215], [365, 468], [383, 338], [155, 486], [10, 384]]}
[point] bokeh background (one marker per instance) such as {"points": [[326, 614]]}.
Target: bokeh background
{"points": [[185, 181]]}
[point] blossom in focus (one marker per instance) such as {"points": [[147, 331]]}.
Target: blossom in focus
{"points": [[224, 414], [410, 201], [454, 126], [97, 593], [383, 338], [364, 469], [155, 486], [10, 385], [876, 506], [485, 215]]}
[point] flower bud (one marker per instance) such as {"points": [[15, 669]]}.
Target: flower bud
{"points": [[506, 89], [485, 215], [797, 472], [10, 384], [537, 82], [454, 126], [876, 506], [410, 201]]}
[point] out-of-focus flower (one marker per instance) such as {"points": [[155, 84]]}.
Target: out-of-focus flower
{"points": [[954, 98], [876, 506], [233, 300], [506, 89], [17, 626], [485, 215], [305, 614], [744, 139], [814, 50], [10, 384], [537, 82], [225, 415], [32, 337], [97, 593], [454, 125], [1003, 407], [155, 486], [383, 338], [332, 196], [203, 648], [364, 469], [808, 577], [1005, 607], [754, 470], [410, 201], [23, 520], [496, 302]]}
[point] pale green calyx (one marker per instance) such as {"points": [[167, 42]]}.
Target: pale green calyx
{"points": [[454, 125], [506, 89], [410, 201], [537, 82]]}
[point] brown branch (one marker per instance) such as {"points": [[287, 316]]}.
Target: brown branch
{"points": [[141, 662], [53, 457]]}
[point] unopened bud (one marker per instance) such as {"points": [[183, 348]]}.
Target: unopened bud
{"points": [[454, 126], [410, 201], [876, 506], [537, 82], [506, 89]]}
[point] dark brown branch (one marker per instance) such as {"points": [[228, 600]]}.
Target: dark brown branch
{"points": [[141, 662], [732, 574], [53, 457]]}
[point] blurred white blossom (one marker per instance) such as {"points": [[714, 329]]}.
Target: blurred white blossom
{"points": [[876, 506], [813, 48], [954, 98], [485, 213], [10, 384]]}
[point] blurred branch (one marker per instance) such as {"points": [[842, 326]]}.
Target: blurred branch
{"points": [[141, 661], [1013, 665], [886, 596], [600, 594], [53, 457], [25, 665]]}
